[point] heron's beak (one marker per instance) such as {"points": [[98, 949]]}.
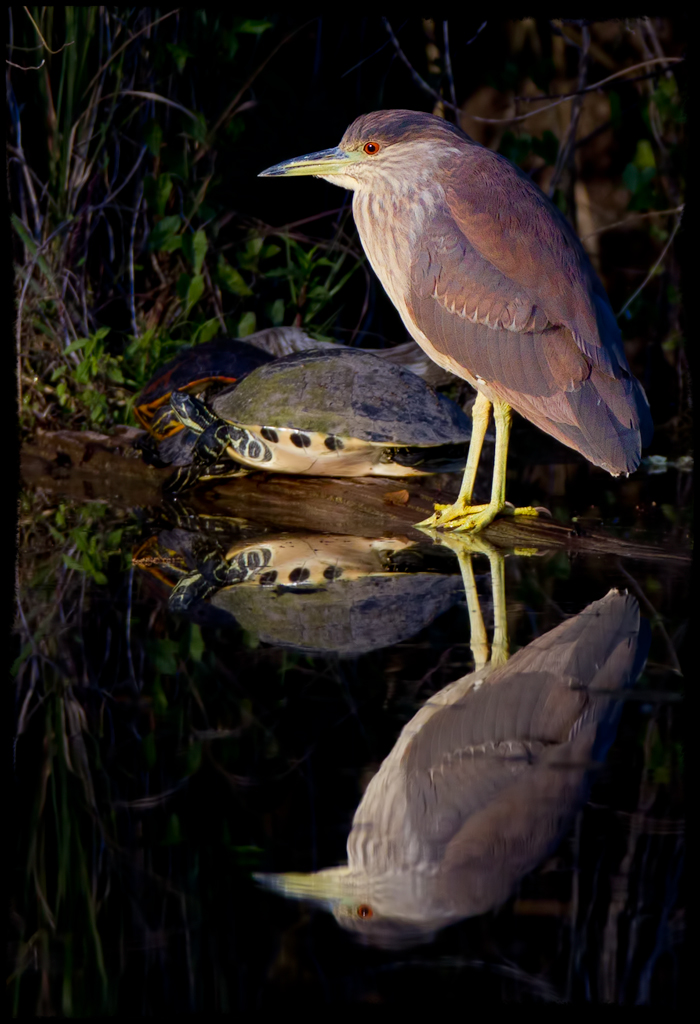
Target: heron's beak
{"points": [[328, 161], [324, 887]]}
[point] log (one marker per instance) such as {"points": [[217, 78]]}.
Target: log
{"points": [[90, 466]]}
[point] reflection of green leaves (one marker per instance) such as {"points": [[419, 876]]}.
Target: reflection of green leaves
{"points": [[179, 53], [196, 643], [252, 26], [173, 832], [163, 655]]}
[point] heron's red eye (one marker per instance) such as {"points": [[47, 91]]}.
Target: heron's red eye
{"points": [[371, 148], [363, 910]]}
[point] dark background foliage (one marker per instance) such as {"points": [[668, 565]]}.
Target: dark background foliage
{"points": [[140, 223], [158, 761]]}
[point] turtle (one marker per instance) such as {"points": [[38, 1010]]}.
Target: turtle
{"points": [[324, 412], [317, 593], [217, 363]]}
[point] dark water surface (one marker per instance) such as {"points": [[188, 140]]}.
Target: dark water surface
{"points": [[206, 708]]}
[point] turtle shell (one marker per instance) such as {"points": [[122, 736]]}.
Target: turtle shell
{"points": [[348, 393], [221, 360], [348, 618]]}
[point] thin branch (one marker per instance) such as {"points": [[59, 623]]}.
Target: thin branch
{"points": [[23, 68], [116, 53], [231, 108], [478, 32], [369, 57], [448, 66], [132, 235], [651, 273], [151, 96], [420, 82], [522, 117], [566, 149], [563, 98], [633, 216], [45, 44]]}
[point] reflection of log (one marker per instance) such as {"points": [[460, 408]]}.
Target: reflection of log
{"points": [[93, 466], [88, 466]]}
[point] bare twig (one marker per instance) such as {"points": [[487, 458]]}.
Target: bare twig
{"points": [[590, 88], [644, 600], [448, 68], [20, 306], [151, 96], [651, 273], [521, 117], [233, 105], [116, 53], [566, 149], [478, 32], [44, 43], [22, 67], [633, 216], [369, 57], [132, 235], [420, 82]]}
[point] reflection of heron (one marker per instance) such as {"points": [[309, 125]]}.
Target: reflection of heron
{"points": [[491, 281], [484, 778]]}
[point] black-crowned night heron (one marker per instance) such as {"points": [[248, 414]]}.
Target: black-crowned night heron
{"points": [[483, 781], [491, 280]]}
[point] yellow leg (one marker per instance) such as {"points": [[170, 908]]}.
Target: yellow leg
{"points": [[465, 547], [462, 515]]}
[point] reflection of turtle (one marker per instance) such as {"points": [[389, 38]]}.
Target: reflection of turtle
{"points": [[220, 362], [320, 593], [329, 412]]}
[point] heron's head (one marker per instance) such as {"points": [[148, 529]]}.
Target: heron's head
{"points": [[390, 146], [376, 911]]}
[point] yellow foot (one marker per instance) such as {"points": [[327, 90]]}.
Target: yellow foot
{"points": [[474, 518]]}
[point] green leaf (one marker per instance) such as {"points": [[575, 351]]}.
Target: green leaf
{"points": [[630, 177], [230, 279], [21, 658], [163, 654], [173, 832], [24, 234], [164, 186], [208, 330], [194, 758], [253, 26], [154, 137], [644, 157], [197, 647], [277, 312], [75, 346], [198, 128], [163, 233], [246, 325], [179, 54], [70, 563], [195, 290], [199, 248], [148, 745]]}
